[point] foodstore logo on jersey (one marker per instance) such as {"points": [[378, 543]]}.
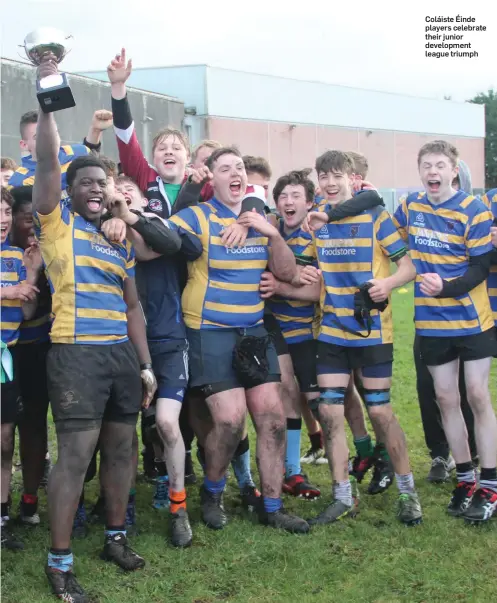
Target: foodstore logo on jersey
{"points": [[247, 249]]}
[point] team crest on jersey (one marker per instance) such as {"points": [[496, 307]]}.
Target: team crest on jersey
{"points": [[155, 204], [324, 232], [450, 225], [354, 231], [7, 265], [420, 220]]}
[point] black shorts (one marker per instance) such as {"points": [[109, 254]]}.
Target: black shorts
{"points": [[436, 351], [211, 358], [333, 358], [91, 383], [10, 402], [303, 356], [10, 393], [33, 382], [273, 328], [170, 364]]}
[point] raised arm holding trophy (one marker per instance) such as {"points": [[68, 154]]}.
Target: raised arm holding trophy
{"points": [[53, 90]]}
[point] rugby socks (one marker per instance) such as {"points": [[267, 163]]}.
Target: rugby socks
{"points": [[382, 452], [364, 446], [272, 505], [111, 531], [316, 439], [61, 560], [177, 500], [465, 472], [488, 479], [29, 505], [241, 464], [405, 483], [292, 458], [214, 487], [342, 491]]}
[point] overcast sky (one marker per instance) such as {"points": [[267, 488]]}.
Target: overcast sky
{"points": [[378, 45]]}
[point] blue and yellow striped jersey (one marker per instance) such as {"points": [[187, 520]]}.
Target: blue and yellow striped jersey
{"points": [[490, 200], [37, 330], [25, 175], [441, 240], [349, 253], [223, 284], [86, 274], [13, 272], [295, 317]]}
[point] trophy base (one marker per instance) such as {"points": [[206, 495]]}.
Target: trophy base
{"points": [[54, 96]]}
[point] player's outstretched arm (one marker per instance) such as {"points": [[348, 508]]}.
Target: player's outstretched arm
{"points": [[46, 189]]}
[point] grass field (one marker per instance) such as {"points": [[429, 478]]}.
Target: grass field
{"points": [[370, 559]]}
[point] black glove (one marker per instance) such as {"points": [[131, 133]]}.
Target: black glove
{"points": [[363, 304], [250, 361]]}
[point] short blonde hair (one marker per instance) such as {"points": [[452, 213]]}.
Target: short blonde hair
{"points": [[165, 132], [210, 144], [361, 165]]}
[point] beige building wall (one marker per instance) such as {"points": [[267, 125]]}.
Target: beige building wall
{"points": [[392, 155]]}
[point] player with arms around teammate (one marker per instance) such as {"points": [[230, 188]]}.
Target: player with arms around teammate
{"points": [[99, 346], [355, 254], [157, 275], [231, 358], [449, 240], [294, 197]]}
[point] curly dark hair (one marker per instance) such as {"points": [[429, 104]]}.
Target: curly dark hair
{"points": [[295, 177]]}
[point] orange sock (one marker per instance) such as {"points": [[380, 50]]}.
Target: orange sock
{"points": [[178, 500]]}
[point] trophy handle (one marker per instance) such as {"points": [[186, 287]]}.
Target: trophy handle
{"points": [[23, 57], [69, 37]]}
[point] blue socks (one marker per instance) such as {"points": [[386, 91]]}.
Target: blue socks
{"points": [[113, 530], [214, 487], [292, 458], [61, 560], [271, 505], [241, 464]]}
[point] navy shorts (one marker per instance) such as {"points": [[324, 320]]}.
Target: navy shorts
{"points": [[375, 361], [273, 328], [88, 384], [211, 358], [303, 356], [170, 365], [33, 382]]}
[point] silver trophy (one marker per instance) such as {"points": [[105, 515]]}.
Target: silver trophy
{"points": [[53, 92]]}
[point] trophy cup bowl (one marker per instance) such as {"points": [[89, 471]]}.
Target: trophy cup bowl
{"points": [[53, 92]]}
